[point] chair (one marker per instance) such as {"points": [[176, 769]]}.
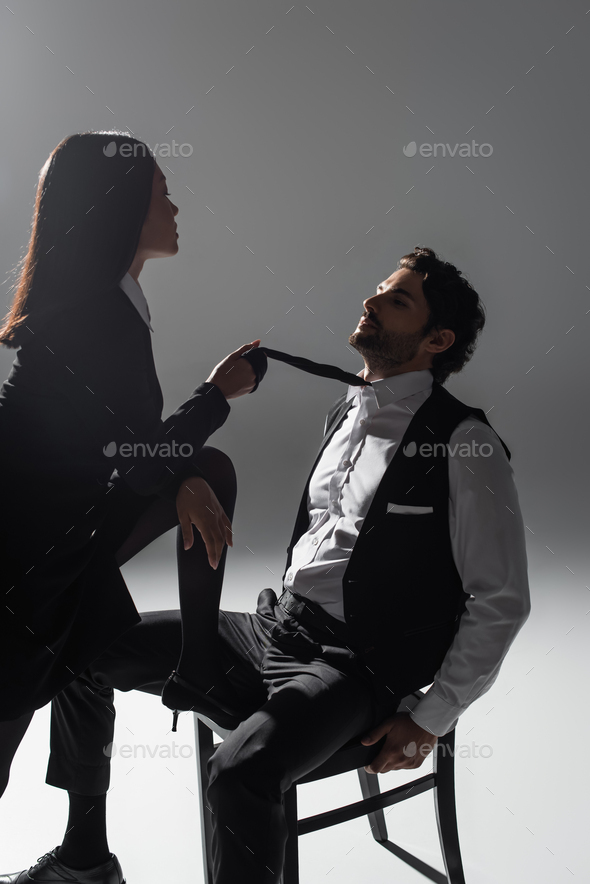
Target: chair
{"points": [[353, 756]]}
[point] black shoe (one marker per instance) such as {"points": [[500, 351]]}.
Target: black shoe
{"points": [[49, 870], [182, 696]]}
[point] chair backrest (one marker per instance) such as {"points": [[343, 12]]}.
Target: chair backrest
{"points": [[216, 728]]}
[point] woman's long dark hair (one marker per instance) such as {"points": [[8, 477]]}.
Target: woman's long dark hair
{"points": [[92, 198]]}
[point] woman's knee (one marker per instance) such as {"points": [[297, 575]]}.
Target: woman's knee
{"points": [[219, 472], [216, 459]]}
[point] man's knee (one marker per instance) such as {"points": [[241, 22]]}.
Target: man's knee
{"points": [[250, 768]]}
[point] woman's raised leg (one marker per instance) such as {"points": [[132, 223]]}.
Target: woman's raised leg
{"points": [[199, 584], [85, 844], [199, 681]]}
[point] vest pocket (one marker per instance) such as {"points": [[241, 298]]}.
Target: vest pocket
{"points": [[404, 509]]}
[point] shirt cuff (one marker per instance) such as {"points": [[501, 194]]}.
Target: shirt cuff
{"points": [[435, 715]]}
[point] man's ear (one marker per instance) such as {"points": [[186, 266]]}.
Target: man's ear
{"points": [[441, 340]]}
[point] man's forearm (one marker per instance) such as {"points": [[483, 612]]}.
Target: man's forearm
{"points": [[487, 535]]}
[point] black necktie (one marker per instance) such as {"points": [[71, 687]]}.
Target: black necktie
{"points": [[257, 359]]}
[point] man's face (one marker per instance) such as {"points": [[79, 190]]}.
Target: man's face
{"points": [[390, 330]]}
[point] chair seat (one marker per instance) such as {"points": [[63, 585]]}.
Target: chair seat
{"points": [[353, 755]]}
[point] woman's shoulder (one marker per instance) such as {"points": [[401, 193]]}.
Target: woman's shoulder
{"points": [[103, 317], [106, 303]]}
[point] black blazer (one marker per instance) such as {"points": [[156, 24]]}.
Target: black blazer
{"points": [[80, 428]]}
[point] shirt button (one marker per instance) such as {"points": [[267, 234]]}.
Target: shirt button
{"points": [[362, 421], [315, 541], [345, 463]]}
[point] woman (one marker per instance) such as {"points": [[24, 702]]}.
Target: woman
{"points": [[89, 472]]}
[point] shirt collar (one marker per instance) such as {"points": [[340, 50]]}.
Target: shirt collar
{"points": [[135, 294], [391, 390]]}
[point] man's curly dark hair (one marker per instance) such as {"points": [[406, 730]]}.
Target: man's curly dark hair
{"points": [[453, 303]]}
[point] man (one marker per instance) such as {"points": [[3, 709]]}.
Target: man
{"points": [[407, 567]]}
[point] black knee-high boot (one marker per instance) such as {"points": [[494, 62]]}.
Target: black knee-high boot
{"points": [[199, 682]]}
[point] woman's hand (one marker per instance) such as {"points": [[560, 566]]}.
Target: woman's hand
{"points": [[233, 375], [197, 504]]}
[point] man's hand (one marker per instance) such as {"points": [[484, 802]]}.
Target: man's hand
{"points": [[405, 748], [197, 504]]}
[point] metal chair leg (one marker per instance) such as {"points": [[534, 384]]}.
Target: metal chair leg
{"points": [[291, 866], [369, 788], [446, 813], [204, 750]]}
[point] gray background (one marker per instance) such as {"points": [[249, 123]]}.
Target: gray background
{"points": [[296, 202]]}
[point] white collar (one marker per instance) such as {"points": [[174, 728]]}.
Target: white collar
{"points": [[395, 388], [135, 294]]}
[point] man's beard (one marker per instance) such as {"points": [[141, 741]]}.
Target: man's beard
{"points": [[386, 350]]}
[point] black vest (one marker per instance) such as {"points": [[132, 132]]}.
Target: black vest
{"points": [[403, 596]]}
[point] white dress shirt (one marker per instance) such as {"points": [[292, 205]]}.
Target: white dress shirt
{"points": [[135, 294], [486, 531]]}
